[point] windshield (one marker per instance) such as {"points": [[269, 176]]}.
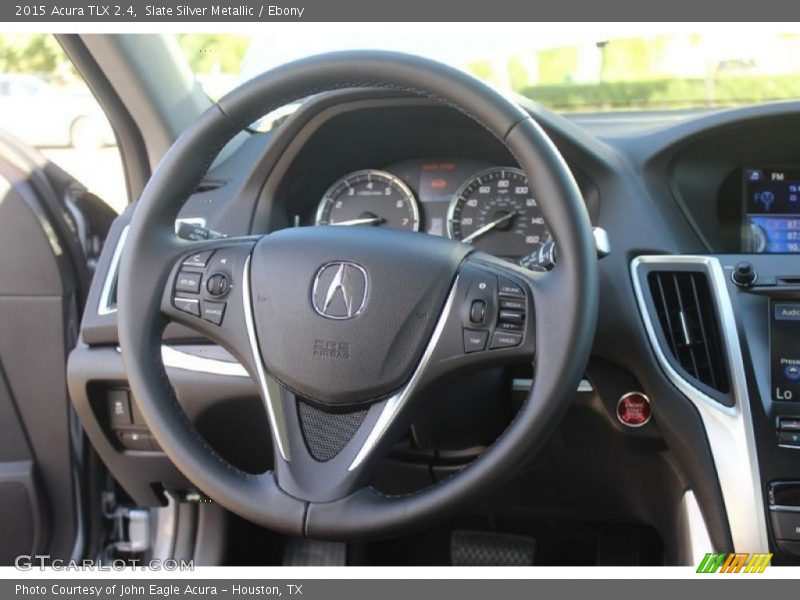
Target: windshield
{"points": [[564, 67]]}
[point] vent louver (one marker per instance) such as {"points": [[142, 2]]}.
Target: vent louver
{"points": [[687, 314]]}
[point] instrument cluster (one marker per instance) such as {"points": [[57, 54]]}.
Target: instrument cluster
{"points": [[490, 207]]}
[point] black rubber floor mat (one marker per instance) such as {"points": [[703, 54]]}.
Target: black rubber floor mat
{"points": [[313, 553], [489, 549], [619, 546]]}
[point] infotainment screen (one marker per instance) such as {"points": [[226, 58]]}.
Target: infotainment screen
{"points": [[771, 210]]}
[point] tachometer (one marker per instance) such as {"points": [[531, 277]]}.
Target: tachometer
{"points": [[495, 211], [372, 198]]}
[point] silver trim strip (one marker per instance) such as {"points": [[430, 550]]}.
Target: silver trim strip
{"points": [[104, 306], [693, 538], [729, 429], [277, 419], [176, 359], [399, 400], [524, 385], [784, 508], [165, 528]]}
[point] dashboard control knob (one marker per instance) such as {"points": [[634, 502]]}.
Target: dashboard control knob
{"points": [[218, 285], [744, 274]]}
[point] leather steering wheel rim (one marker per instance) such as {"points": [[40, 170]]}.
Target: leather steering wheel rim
{"points": [[564, 331]]}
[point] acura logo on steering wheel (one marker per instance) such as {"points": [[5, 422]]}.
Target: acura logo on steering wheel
{"points": [[340, 290]]}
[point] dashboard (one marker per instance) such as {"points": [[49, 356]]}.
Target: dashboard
{"points": [[687, 190]]}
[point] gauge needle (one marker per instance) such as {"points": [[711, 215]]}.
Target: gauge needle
{"points": [[364, 221], [488, 227]]}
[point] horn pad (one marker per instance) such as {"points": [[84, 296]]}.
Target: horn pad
{"points": [[343, 314]]}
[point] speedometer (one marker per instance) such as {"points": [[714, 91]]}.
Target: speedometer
{"points": [[371, 198], [495, 211]]}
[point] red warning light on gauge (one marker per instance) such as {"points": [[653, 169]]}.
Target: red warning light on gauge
{"points": [[633, 409]]}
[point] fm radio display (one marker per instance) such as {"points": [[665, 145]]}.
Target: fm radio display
{"points": [[772, 211]]}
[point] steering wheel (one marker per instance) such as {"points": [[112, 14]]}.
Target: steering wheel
{"points": [[342, 327]]}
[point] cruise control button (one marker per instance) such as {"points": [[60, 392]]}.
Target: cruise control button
{"points": [[502, 339], [509, 326], [512, 316], [474, 341], [512, 304], [188, 281], [198, 259], [509, 289], [213, 312], [187, 305], [477, 312]]}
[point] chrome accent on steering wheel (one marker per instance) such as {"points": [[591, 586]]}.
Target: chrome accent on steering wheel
{"points": [[269, 389], [396, 403]]}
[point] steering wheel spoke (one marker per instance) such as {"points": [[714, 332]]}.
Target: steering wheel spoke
{"points": [[207, 291], [490, 320], [330, 451], [322, 459]]}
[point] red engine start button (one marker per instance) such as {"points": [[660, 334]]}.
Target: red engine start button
{"points": [[633, 409]]}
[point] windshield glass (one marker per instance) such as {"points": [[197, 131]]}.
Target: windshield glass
{"points": [[565, 67]]}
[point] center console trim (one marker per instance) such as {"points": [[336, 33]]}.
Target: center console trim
{"points": [[729, 429]]}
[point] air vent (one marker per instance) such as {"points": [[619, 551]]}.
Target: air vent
{"points": [[688, 319]]}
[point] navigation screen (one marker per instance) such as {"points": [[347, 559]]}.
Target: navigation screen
{"points": [[772, 211]]}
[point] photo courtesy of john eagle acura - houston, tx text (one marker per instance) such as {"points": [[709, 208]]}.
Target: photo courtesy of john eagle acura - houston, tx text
{"points": [[371, 295]]}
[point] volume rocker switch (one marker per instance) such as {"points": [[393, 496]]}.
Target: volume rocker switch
{"points": [[218, 285]]}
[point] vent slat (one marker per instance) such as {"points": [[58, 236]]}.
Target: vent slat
{"points": [[703, 331], [685, 310], [684, 316], [662, 309]]}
